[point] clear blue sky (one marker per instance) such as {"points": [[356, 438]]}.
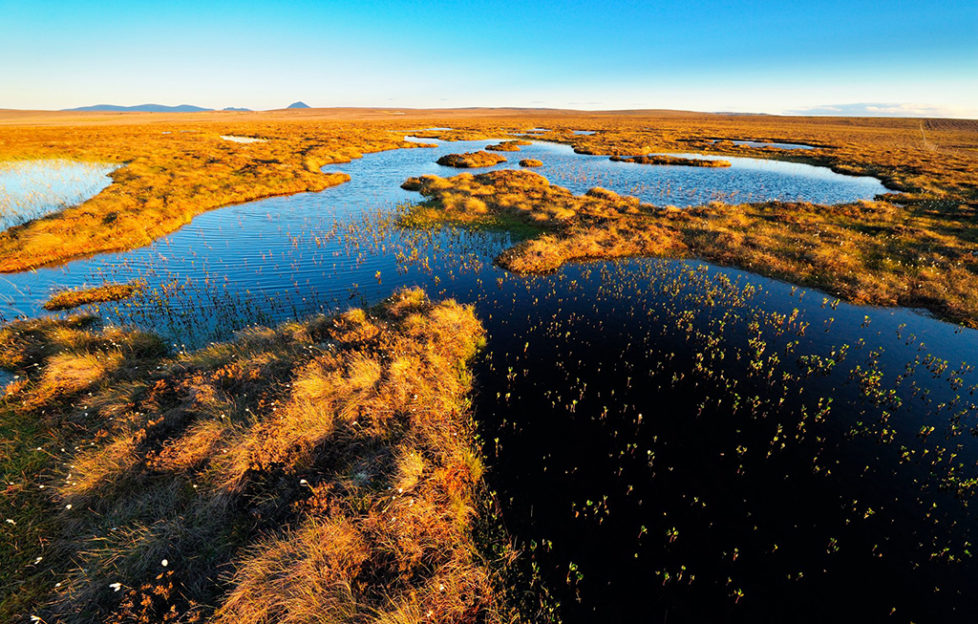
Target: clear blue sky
{"points": [[776, 57]]}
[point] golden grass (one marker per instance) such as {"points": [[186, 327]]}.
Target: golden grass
{"points": [[917, 247], [508, 146], [169, 175], [321, 471], [68, 299], [471, 160], [866, 252], [531, 162], [665, 159]]}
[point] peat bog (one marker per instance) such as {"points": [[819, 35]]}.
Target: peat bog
{"points": [[665, 439]]}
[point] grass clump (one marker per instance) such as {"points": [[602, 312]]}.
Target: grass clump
{"points": [[471, 160], [508, 146], [531, 162], [320, 471], [68, 299], [665, 159]]}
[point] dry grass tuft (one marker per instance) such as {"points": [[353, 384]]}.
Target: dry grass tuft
{"points": [[471, 160], [319, 471], [665, 159], [508, 146], [68, 299]]}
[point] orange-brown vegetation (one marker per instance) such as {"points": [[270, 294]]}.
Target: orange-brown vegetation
{"points": [[471, 160], [508, 146], [915, 240], [866, 252], [67, 299], [531, 162], [170, 174], [320, 471], [665, 159]]}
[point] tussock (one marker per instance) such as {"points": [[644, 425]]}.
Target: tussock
{"points": [[319, 471]]}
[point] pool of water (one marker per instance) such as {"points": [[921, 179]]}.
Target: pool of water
{"points": [[668, 439], [747, 180], [34, 188], [241, 139]]}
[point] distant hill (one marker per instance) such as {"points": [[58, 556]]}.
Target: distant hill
{"points": [[233, 108], [298, 105], [146, 108]]}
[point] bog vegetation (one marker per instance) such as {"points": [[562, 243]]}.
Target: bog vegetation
{"points": [[471, 160], [665, 159], [873, 252], [327, 469], [67, 299], [916, 248], [323, 470]]}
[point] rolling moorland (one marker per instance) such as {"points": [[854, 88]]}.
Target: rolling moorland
{"points": [[329, 469]]}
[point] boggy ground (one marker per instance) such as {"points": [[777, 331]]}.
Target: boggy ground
{"points": [[866, 252], [170, 174], [177, 166], [323, 470], [665, 159]]}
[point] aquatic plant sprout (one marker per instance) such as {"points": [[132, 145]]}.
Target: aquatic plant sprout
{"points": [[35, 188]]}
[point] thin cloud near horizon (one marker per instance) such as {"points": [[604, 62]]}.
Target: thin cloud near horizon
{"points": [[889, 109]]}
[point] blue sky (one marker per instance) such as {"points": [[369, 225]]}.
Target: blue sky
{"points": [[778, 57]]}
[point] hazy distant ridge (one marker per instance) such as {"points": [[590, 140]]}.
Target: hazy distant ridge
{"points": [[148, 108], [162, 108]]}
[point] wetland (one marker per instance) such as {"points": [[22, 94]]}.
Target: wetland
{"points": [[677, 416]]}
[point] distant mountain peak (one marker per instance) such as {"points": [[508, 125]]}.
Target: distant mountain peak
{"points": [[299, 104]]}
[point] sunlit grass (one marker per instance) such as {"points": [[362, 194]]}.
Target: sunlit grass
{"points": [[67, 299], [322, 467]]}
